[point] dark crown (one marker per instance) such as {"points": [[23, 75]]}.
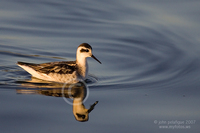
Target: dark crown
{"points": [[86, 45]]}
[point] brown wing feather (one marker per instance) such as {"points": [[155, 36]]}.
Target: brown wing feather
{"points": [[64, 67]]}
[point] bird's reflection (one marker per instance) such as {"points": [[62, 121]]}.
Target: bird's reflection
{"points": [[76, 92]]}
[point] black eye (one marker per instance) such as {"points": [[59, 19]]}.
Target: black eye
{"points": [[84, 50], [80, 116]]}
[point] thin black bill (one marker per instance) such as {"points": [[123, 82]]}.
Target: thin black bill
{"points": [[95, 58]]}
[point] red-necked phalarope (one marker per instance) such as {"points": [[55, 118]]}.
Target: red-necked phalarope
{"points": [[64, 71]]}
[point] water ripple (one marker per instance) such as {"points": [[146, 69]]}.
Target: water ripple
{"points": [[157, 59]]}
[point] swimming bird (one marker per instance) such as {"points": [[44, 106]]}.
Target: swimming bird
{"points": [[64, 71]]}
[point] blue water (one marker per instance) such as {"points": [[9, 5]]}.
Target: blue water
{"points": [[150, 69]]}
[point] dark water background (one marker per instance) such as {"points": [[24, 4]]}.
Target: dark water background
{"points": [[150, 69]]}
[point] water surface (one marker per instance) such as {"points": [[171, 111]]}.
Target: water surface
{"points": [[149, 73]]}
